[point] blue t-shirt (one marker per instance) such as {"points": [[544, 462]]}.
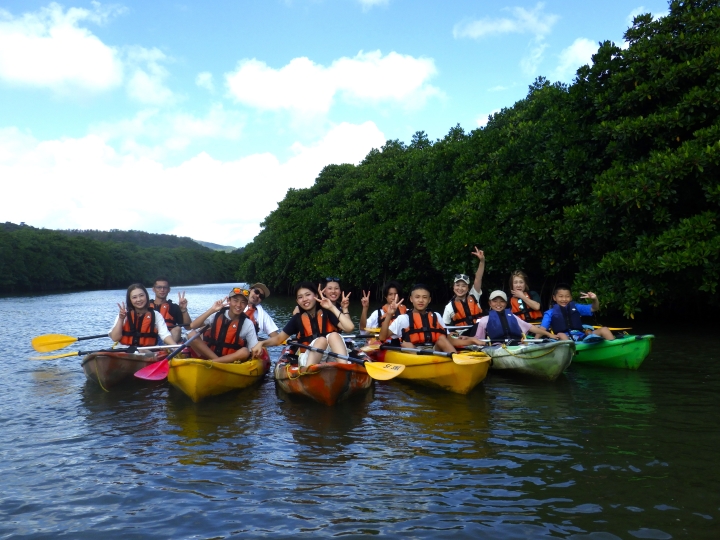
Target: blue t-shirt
{"points": [[585, 310]]}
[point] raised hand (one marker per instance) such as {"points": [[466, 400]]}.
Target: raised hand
{"points": [[365, 300], [324, 302], [518, 294], [122, 311], [394, 305], [182, 301], [345, 302], [590, 295], [219, 304], [479, 254]]}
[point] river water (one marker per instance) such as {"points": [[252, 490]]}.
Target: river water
{"points": [[599, 454]]}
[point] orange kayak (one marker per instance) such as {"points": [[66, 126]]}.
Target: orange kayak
{"points": [[327, 383]]}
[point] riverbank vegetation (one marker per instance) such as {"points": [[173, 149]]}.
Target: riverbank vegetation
{"points": [[610, 182], [37, 260]]}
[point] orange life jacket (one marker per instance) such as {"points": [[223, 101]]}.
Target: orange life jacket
{"points": [[251, 313], [223, 336], [143, 334], [424, 329], [522, 310], [164, 310], [466, 313], [315, 327], [401, 310]]}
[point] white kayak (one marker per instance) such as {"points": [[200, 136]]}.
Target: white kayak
{"points": [[544, 361]]}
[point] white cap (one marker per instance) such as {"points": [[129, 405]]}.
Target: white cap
{"points": [[495, 294]]}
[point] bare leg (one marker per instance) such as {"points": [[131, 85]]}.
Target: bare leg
{"points": [[407, 345], [443, 344], [315, 357], [176, 334], [202, 350], [604, 332], [337, 345], [239, 356]]}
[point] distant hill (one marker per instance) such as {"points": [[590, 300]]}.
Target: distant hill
{"points": [[217, 247], [139, 238]]}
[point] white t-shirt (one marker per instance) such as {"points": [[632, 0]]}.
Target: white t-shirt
{"points": [[373, 320], [160, 326], [403, 321], [247, 332], [450, 311], [265, 323]]}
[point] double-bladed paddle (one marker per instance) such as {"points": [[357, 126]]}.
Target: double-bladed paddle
{"points": [[157, 371], [459, 358], [129, 350], [382, 371], [53, 342]]}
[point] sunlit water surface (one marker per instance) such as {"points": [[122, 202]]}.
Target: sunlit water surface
{"points": [[599, 454]]}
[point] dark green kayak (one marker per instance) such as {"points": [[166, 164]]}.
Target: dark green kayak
{"points": [[627, 352]]}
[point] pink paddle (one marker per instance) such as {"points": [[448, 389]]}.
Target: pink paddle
{"points": [[158, 371]]}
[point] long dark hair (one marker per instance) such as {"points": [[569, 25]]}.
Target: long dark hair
{"points": [[130, 289], [392, 285], [304, 285]]}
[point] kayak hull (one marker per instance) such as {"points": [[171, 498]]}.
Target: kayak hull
{"points": [[200, 379], [436, 371], [544, 361], [626, 353], [327, 383], [109, 369]]}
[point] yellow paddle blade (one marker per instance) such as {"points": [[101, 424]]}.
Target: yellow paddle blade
{"points": [[470, 358], [383, 371], [372, 330], [55, 356], [373, 347], [51, 342]]}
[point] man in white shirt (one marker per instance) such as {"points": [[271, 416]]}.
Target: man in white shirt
{"points": [[262, 321]]}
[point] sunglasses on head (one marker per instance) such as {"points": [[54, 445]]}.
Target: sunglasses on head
{"points": [[259, 293], [463, 277], [331, 279], [238, 290]]}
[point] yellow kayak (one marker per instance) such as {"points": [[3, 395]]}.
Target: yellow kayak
{"points": [[459, 375], [203, 378]]}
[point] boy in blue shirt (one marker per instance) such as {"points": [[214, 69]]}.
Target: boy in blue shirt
{"points": [[564, 317]]}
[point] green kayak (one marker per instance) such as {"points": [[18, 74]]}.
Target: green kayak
{"points": [[626, 352]]}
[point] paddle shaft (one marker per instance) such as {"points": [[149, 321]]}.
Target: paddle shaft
{"points": [[335, 355], [417, 351]]}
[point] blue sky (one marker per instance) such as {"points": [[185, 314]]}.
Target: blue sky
{"points": [[194, 118]]}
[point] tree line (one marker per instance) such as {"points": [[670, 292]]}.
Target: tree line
{"points": [[610, 183], [37, 260]]}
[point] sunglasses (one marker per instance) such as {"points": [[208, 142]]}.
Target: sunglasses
{"points": [[161, 287], [238, 290], [331, 279], [259, 293], [463, 277]]}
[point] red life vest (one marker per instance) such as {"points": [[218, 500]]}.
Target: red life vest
{"points": [[401, 310], [424, 329], [314, 327], [140, 333], [223, 336], [164, 310], [522, 310], [466, 313]]}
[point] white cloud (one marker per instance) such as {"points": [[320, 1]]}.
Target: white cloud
{"points": [[634, 13], [524, 21], [85, 183], [153, 133], [147, 82], [483, 119], [576, 55], [308, 88], [205, 80], [369, 4], [50, 49]]}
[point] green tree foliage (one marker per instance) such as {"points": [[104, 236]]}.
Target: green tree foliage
{"points": [[611, 182], [33, 260]]}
